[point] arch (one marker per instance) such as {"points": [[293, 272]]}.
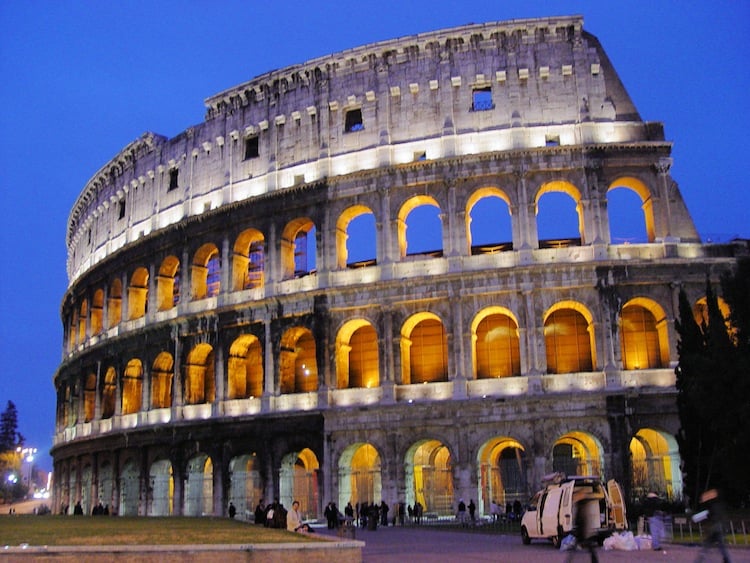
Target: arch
{"points": [[488, 229], [206, 272], [89, 397], [168, 283], [502, 467], [106, 487], [360, 478], [97, 310], [647, 204], [427, 231], [161, 381], [199, 486], [114, 303], [495, 344], [129, 489], [700, 313], [245, 368], [298, 248], [429, 476], [108, 391], [643, 335], [248, 260], [199, 384], [132, 387], [161, 488], [138, 294], [83, 314], [577, 453], [356, 237], [298, 364], [655, 464], [87, 476], [554, 220], [424, 349], [298, 480], [569, 338], [245, 484], [357, 356]]}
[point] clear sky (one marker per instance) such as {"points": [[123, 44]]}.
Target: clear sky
{"points": [[80, 80]]}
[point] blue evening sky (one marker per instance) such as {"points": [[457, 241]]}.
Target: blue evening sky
{"points": [[79, 80]]}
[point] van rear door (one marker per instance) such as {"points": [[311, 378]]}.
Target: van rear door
{"points": [[619, 519], [549, 515]]}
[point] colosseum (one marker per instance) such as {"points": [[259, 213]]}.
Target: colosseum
{"points": [[337, 287]]}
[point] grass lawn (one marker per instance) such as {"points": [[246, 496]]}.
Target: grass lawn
{"points": [[101, 530]]}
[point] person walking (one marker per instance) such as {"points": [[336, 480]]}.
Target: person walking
{"points": [[652, 510], [715, 515]]}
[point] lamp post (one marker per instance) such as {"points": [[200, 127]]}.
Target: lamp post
{"points": [[27, 456]]}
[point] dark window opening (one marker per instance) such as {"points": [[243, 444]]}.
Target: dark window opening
{"points": [[121, 210], [173, 178], [89, 236], [252, 148], [354, 121], [419, 156], [552, 141], [482, 99]]}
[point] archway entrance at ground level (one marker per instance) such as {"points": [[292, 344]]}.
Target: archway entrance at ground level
{"points": [[359, 475], [577, 453], [429, 477], [105, 485], [655, 459], [161, 489], [502, 473], [129, 489], [199, 486], [86, 480], [245, 487], [299, 481]]}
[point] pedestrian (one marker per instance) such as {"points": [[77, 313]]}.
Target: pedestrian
{"points": [[583, 530], [232, 510], [418, 508], [260, 513], [472, 511], [461, 514], [384, 513], [652, 510], [494, 511], [294, 519], [715, 514]]}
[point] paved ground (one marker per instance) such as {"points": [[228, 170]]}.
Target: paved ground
{"points": [[435, 545]]}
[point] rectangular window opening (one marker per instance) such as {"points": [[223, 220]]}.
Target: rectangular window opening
{"points": [[420, 155], [552, 140], [173, 173], [121, 210], [482, 99], [354, 121], [252, 148]]}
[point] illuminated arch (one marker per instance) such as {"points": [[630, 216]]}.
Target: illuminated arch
{"points": [[503, 237], [429, 476], [114, 303], [357, 355], [298, 255], [577, 453], [199, 384], [647, 203], [245, 368], [343, 233], [97, 309], [108, 391], [644, 335], [501, 464], [138, 294], [132, 387], [161, 381], [245, 484], [655, 460], [83, 314], [403, 214], [700, 313], [298, 480], [89, 397], [495, 343], [360, 478], [569, 338], [298, 364], [199, 486], [168, 283], [206, 272], [424, 349], [561, 186], [161, 488], [248, 260]]}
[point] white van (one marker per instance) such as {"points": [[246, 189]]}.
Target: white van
{"points": [[550, 513]]}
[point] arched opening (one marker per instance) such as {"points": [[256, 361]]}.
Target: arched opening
{"points": [[106, 488], [559, 216], [129, 489], [206, 272], [86, 481], [298, 364], [161, 488], [569, 339], [114, 304], [429, 477], [245, 368], [420, 218], [298, 480], [248, 260], [360, 479], [424, 350], [138, 294], [357, 356], [82, 316], [161, 381], [199, 386], [502, 473], [655, 460], [488, 222], [245, 485], [356, 238], [97, 309], [132, 387], [199, 486], [643, 335], [89, 397], [577, 453], [496, 349], [298, 249], [168, 283], [700, 313], [109, 390], [630, 210]]}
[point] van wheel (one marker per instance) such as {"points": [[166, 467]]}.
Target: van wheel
{"points": [[525, 536]]}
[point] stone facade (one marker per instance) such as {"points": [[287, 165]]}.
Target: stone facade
{"points": [[220, 344]]}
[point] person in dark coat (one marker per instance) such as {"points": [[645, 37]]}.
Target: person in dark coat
{"points": [[716, 520], [232, 510]]}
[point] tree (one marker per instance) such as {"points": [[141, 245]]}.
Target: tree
{"points": [[10, 438], [713, 386]]}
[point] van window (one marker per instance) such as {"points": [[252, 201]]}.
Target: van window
{"points": [[533, 502]]}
